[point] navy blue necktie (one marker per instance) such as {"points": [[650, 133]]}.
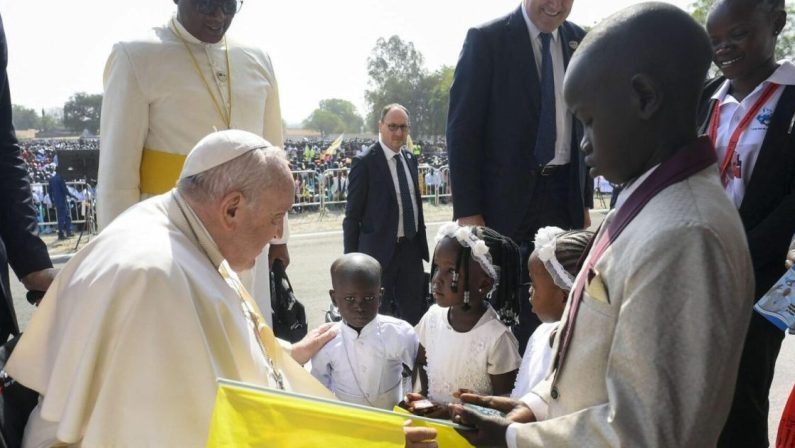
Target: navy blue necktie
{"points": [[409, 229], [547, 128]]}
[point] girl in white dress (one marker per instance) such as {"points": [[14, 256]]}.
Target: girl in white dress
{"points": [[463, 342], [553, 265]]}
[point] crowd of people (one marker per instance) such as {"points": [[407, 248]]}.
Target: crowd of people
{"points": [[304, 154], [40, 154], [648, 333], [311, 163]]}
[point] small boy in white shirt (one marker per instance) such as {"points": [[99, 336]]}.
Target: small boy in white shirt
{"points": [[370, 360]]}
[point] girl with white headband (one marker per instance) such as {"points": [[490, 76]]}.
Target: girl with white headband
{"points": [[553, 265], [463, 342]]}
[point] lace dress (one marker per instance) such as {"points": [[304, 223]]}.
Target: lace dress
{"points": [[465, 360]]}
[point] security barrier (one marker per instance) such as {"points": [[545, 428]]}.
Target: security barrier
{"points": [[80, 201], [314, 191], [308, 191], [320, 190], [335, 186]]}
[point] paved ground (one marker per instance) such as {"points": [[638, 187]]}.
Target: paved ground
{"points": [[316, 241]]}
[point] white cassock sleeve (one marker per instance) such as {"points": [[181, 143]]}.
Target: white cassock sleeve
{"points": [[124, 125]]}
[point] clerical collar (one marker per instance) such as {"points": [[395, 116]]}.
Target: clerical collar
{"points": [[190, 38], [203, 237]]}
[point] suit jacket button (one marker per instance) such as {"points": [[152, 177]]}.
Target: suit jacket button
{"points": [[555, 393]]}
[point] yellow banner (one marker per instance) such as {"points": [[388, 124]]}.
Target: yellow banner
{"points": [[252, 416], [334, 146]]}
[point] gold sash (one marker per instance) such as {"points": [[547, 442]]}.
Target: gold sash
{"points": [[160, 171]]}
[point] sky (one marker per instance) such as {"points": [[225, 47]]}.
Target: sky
{"points": [[319, 48]]}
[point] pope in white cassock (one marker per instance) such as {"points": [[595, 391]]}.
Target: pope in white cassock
{"points": [[166, 91], [127, 345]]}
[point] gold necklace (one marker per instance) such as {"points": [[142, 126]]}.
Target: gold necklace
{"points": [[226, 114]]}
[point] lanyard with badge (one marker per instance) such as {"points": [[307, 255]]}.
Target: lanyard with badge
{"points": [[735, 136]]}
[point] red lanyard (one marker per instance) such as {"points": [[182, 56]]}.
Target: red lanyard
{"points": [[738, 131]]}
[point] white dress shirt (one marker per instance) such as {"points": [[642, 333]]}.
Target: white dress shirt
{"points": [[392, 163], [733, 111], [562, 116], [367, 367]]}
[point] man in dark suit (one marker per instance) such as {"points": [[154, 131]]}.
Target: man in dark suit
{"points": [[383, 215], [20, 245], [515, 164]]}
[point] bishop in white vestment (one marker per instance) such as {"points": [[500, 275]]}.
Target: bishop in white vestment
{"points": [[163, 93]]}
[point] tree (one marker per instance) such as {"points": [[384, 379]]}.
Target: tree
{"points": [[438, 91], [785, 47], [51, 119], [82, 111], [396, 75], [24, 118], [335, 115], [346, 111], [324, 121]]}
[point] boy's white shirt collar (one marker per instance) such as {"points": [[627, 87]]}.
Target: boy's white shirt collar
{"points": [[371, 327]]}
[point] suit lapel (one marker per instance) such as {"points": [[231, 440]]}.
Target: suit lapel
{"points": [[567, 41], [518, 39], [770, 154], [381, 165]]}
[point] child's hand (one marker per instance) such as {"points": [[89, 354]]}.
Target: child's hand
{"points": [[419, 437], [488, 430], [457, 394], [515, 410], [419, 405]]}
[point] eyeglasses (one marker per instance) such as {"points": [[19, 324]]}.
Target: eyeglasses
{"points": [[228, 7], [394, 127]]}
